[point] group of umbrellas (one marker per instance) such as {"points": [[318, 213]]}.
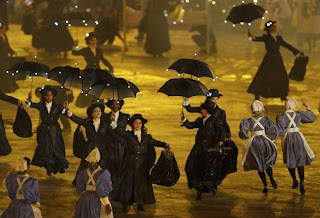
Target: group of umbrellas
{"points": [[188, 87], [100, 83]]}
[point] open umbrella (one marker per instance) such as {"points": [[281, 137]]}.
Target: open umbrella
{"points": [[71, 77], [98, 74], [114, 88], [245, 13], [31, 69], [78, 18], [193, 67], [184, 87]]}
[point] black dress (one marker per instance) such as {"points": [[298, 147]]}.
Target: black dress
{"points": [[100, 139], [7, 81], [135, 185], [50, 151], [5, 148], [271, 80], [157, 40], [53, 38], [204, 153], [218, 113], [93, 62]]}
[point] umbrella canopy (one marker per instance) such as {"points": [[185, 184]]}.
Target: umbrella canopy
{"points": [[184, 87], [193, 67], [245, 13], [76, 17], [71, 77], [114, 88], [30, 68], [98, 74]]}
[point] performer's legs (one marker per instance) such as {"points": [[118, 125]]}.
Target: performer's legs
{"points": [[294, 178]]}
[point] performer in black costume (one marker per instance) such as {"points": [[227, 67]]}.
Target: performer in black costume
{"points": [[50, 151], [271, 80]]}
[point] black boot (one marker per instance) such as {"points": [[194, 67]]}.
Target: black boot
{"points": [[295, 184], [302, 190], [274, 184], [265, 190], [199, 195], [140, 207]]}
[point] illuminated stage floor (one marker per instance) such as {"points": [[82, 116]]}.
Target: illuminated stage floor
{"points": [[240, 193]]}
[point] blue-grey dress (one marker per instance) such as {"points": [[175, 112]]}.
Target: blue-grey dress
{"points": [[19, 208], [259, 151], [89, 203], [296, 151]]}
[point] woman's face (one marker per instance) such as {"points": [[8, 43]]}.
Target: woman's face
{"points": [[273, 28], [96, 114], [137, 124], [48, 97], [214, 99], [93, 42]]}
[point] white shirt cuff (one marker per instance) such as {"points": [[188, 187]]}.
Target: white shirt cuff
{"points": [[70, 115]]}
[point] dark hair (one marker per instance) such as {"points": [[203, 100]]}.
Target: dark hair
{"points": [[45, 93]]}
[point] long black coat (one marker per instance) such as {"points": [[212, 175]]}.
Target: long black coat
{"points": [[135, 185], [218, 113], [5, 148], [271, 80], [93, 62], [203, 152], [116, 148], [50, 151], [100, 139], [157, 40]]}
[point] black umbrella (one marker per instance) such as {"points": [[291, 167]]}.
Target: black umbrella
{"points": [[98, 74], [78, 18], [245, 13], [71, 77], [193, 67], [31, 69], [114, 88], [184, 87]]}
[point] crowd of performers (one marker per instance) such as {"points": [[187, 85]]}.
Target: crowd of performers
{"points": [[116, 162]]}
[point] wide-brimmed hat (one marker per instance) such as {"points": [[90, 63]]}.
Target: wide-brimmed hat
{"points": [[110, 101], [213, 93], [269, 24], [92, 107], [208, 105], [89, 36], [137, 116], [48, 88]]}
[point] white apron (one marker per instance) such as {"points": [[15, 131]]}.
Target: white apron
{"points": [[291, 129], [20, 196], [248, 144], [92, 187]]}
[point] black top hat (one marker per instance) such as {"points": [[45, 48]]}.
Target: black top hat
{"points": [[213, 93], [110, 101], [89, 36], [269, 24], [209, 106], [92, 107], [48, 88], [137, 116]]}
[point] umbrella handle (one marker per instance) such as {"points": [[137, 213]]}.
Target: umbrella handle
{"points": [[248, 29], [31, 83]]}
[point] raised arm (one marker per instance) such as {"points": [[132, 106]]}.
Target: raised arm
{"points": [[76, 119], [307, 116], [188, 107], [192, 125], [77, 52], [257, 38]]}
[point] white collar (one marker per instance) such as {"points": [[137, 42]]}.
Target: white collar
{"points": [[96, 121], [137, 132], [207, 117], [117, 113], [48, 104]]}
